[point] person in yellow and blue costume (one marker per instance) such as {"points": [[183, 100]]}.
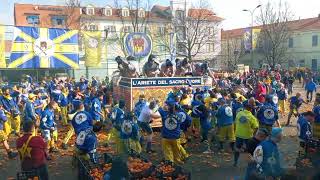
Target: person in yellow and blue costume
{"points": [[268, 114], [3, 135], [170, 133], [96, 106], [117, 118], [130, 135], [195, 114], [12, 112], [87, 143], [48, 126], [316, 111], [225, 124]]}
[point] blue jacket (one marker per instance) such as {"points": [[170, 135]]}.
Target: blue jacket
{"points": [[117, 117], [185, 120], [64, 101], [96, 109], [316, 110], [311, 86], [29, 112], [3, 119], [129, 129], [81, 120], [205, 121], [295, 102], [236, 107], [10, 105], [138, 107], [87, 142], [195, 112], [282, 94], [224, 116], [47, 119], [304, 128], [170, 125], [268, 114], [271, 159]]}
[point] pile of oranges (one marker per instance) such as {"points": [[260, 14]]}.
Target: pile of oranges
{"points": [[97, 174], [149, 178], [181, 177], [137, 165], [107, 167], [306, 162], [165, 168]]}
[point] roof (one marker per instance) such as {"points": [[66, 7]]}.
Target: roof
{"points": [[208, 14], [296, 25]]}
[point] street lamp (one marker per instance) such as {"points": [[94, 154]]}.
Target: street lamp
{"points": [[252, 14]]}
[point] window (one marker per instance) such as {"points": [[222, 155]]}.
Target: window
{"points": [[58, 20], [301, 63], [90, 11], [290, 42], [314, 40], [210, 47], [33, 19], [181, 48], [161, 30], [161, 48], [211, 30], [180, 14], [125, 12], [110, 28], [141, 13], [93, 27], [127, 29], [141, 29], [108, 12]]}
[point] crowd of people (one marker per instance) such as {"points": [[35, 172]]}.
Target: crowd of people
{"points": [[241, 110]]}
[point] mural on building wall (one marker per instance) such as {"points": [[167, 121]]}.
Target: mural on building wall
{"points": [[138, 45]]}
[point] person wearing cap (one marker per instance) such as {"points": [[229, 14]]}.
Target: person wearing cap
{"points": [[3, 135], [251, 145], [87, 143], [225, 124], [129, 135], [145, 119], [96, 107], [12, 112], [170, 133], [48, 126], [268, 114], [267, 156], [316, 111], [140, 105], [295, 103], [246, 124], [304, 127]]}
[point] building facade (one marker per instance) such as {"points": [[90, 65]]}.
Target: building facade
{"points": [[303, 49]]}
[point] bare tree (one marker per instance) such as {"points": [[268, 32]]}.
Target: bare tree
{"points": [[275, 32], [195, 29], [233, 50]]}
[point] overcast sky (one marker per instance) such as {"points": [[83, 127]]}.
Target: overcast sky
{"points": [[230, 10]]}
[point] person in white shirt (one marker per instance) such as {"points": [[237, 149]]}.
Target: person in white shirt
{"points": [[145, 119]]}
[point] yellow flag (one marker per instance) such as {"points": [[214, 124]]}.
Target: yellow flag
{"points": [[2, 48], [93, 47], [255, 36]]}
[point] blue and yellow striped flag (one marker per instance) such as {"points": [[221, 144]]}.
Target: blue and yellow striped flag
{"points": [[44, 48]]}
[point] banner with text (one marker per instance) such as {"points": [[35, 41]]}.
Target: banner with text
{"points": [[174, 81], [255, 37]]}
